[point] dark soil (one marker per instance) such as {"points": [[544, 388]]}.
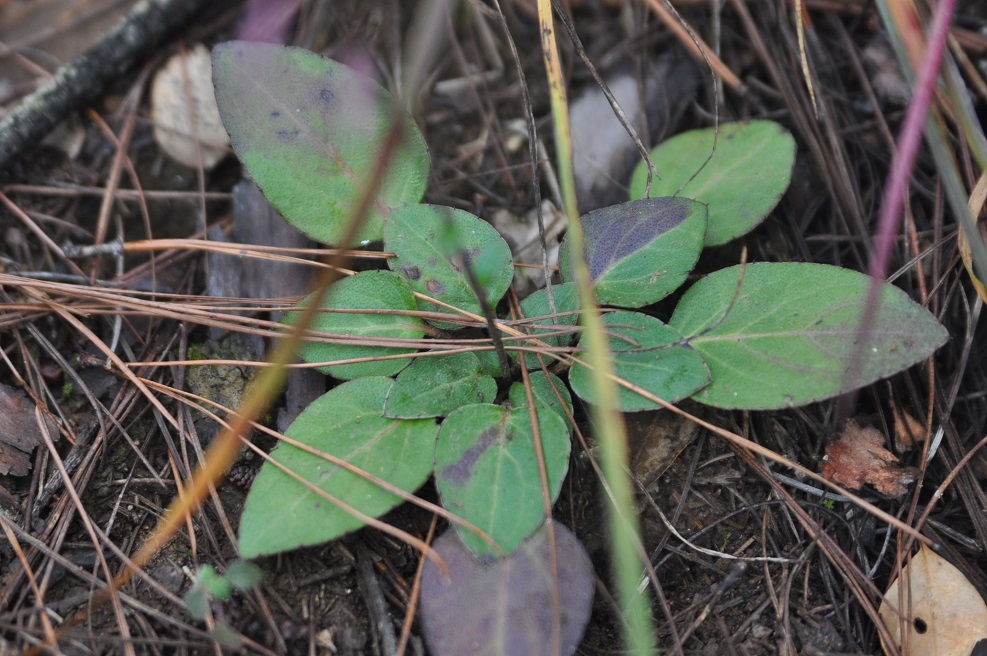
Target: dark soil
{"points": [[754, 564]]}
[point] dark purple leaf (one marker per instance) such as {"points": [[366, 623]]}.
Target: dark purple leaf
{"points": [[641, 251], [505, 607]]}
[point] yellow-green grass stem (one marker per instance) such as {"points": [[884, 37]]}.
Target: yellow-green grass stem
{"points": [[611, 431]]}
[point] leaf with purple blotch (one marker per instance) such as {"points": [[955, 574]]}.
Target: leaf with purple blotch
{"points": [[639, 252], [433, 245], [486, 471], [310, 132], [507, 607]]}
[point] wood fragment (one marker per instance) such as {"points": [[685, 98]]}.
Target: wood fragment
{"points": [[82, 80]]}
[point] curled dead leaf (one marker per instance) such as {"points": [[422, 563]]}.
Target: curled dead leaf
{"points": [[656, 440], [858, 456], [978, 198]]}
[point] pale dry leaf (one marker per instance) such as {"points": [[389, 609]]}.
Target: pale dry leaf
{"points": [[940, 610], [183, 107], [858, 456]]}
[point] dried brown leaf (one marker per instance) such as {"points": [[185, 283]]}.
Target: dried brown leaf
{"points": [[186, 119], [19, 432], [907, 430], [655, 444], [858, 456]]}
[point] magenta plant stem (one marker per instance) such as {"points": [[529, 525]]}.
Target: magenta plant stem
{"points": [[909, 140], [908, 144]]}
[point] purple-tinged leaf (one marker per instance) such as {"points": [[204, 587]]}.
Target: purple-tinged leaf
{"points": [[310, 132], [506, 607], [432, 246], [641, 251], [486, 470]]}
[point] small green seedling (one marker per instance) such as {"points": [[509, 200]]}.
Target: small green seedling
{"points": [[209, 585], [762, 336]]}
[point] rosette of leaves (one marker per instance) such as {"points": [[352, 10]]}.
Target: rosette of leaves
{"points": [[761, 336]]}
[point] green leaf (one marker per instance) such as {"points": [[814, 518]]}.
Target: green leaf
{"points": [[489, 363], [648, 354], [535, 306], [504, 607], [367, 290], [226, 636], [791, 335], [281, 513], [641, 251], [243, 574], [743, 181], [197, 602], [435, 386], [310, 132], [213, 583], [486, 471], [545, 396], [433, 243]]}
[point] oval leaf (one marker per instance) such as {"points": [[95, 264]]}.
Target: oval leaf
{"points": [[536, 307], [939, 608], [368, 290], [281, 513], [505, 608], [790, 335], [639, 252], [546, 394], [743, 181], [310, 131], [433, 244], [489, 363], [435, 386], [649, 354], [486, 471]]}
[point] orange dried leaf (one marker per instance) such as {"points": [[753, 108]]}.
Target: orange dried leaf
{"points": [[907, 430], [859, 457]]}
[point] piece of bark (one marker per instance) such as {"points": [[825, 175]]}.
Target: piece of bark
{"points": [[83, 80], [19, 431], [256, 222]]}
